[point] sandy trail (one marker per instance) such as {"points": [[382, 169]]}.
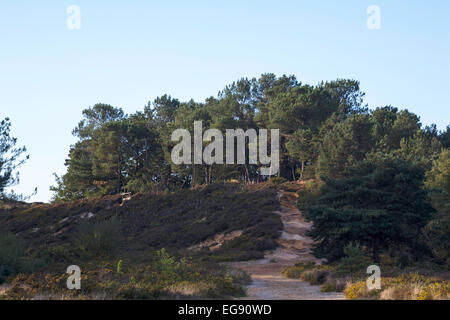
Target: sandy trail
{"points": [[294, 247]]}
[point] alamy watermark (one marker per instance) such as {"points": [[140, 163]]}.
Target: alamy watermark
{"points": [[374, 20], [374, 281], [213, 153], [73, 21], [74, 280]]}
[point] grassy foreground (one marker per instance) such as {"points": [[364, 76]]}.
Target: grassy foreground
{"points": [[413, 283]]}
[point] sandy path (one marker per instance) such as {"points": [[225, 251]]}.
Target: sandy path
{"points": [[294, 246]]}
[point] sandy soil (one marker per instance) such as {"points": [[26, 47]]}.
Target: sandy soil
{"points": [[294, 247]]}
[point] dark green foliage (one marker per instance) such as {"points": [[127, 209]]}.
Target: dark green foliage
{"points": [[117, 152], [437, 232], [380, 203], [301, 147], [354, 262], [438, 178], [444, 138], [12, 255], [10, 159], [423, 147], [437, 237], [100, 238], [345, 145], [94, 118], [324, 129]]}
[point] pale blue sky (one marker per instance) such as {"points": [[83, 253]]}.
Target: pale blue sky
{"points": [[128, 52]]}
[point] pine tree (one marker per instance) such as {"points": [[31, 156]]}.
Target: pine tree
{"points": [[379, 203], [10, 159]]}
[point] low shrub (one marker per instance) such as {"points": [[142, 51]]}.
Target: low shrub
{"points": [[437, 236], [354, 262], [315, 276], [12, 255], [101, 238], [309, 271], [295, 272], [333, 285]]}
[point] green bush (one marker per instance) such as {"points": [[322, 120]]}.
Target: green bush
{"points": [[403, 259], [101, 238], [354, 262], [437, 237], [309, 272], [12, 255], [168, 266]]}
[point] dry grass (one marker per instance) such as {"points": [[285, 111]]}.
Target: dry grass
{"points": [[404, 287]]}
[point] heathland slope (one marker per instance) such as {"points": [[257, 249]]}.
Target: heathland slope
{"points": [[146, 247]]}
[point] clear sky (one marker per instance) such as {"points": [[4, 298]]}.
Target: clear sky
{"points": [[129, 52]]}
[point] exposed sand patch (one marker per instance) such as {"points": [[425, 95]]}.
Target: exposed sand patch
{"points": [[216, 242]]}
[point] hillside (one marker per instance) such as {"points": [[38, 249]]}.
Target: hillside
{"points": [[147, 247], [374, 191], [216, 241]]}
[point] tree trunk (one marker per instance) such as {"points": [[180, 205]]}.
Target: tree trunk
{"points": [[119, 173]]}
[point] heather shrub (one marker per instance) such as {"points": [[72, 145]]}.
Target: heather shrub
{"points": [[295, 272], [354, 262], [12, 255], [100, 238], [315, 276], [333, 285]]}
